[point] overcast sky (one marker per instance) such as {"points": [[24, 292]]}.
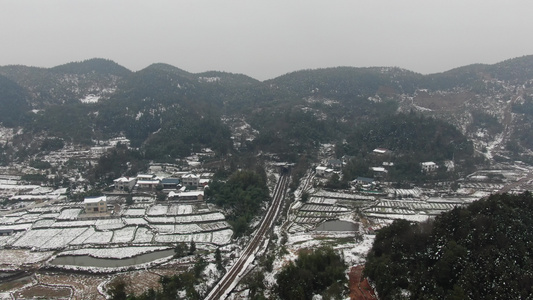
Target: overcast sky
{"points": [[265, 39]]}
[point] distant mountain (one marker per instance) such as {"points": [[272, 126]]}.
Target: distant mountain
{"points": [[289, 114], [69, 83], [13, 100], [95, 65]]}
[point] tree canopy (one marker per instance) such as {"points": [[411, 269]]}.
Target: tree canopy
{"points": [[482, 251]]}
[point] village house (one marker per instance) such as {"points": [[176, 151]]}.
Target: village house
{"points": [[428, 167], [147, 184], [380, 151], [125, 183], [323, 171], [191, 196], [335, 164], [190, 180], [363, 182], [320, 170], [379, 172], [146, 176], [170, 183], [95, 204]]}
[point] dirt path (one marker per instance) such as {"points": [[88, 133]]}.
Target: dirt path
{"points": [[360, 289]]}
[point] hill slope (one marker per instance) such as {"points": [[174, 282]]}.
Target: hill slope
{"points": [[482, 251]]}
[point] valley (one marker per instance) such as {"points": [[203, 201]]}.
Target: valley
{"points": [[225, 180]]}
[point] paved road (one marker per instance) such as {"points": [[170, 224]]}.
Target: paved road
{"points": [[234, 275]]}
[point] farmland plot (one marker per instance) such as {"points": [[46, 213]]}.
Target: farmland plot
{"points": [[124, 235], [116, 253], [84, 223], [135, 221], [18, 257], [222, 237], [36, 238], [79, 240], [323, 208], [11, 219], [50, 215], [161, 220], [46, 209], [337, 195], [109, 224], [182, 209], [213, 226], [69, 214], [99, 237], [187, 228], [143, 235], [63, 238], [157, 210], [217, 216], [415, 192], [16, 227], [10, 239], [134, 212], [322, 200], [30, 217], [163, 228], [173, 238]]}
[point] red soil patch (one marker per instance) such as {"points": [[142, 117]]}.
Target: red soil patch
{"points": [[360, 289]]}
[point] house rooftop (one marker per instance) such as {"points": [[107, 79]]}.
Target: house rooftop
{"points": [[335, 162], [94, 199], [154, 181], [145, 176], [125, 179], [380, 150], [364, 179], [186, 194], [190, 176], [170, 181]]}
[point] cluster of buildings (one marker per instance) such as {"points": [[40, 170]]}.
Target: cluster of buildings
{"points": [[144, 182], [184, 188], [381, 158]]}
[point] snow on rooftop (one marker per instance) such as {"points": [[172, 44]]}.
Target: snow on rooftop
{"points": [[124, 179], [90, 99], [95, 199], [380, 150]]}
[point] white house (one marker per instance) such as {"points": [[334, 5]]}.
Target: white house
{"points": [[380, 151], [147, 184], [95, 204], [145, 176], [190, 180], [428, 166], [125, 183], [321, 170]]}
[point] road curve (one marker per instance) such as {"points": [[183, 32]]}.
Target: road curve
{"points": [[233, 276]]}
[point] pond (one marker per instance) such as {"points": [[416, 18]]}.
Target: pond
{"points": [[337, 225], [89, 261]]}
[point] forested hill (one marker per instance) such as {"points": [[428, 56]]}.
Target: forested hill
{"points": [[348, 82], [173, 110], [483, 251]]}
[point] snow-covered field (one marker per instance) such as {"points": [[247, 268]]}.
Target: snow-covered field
{"points": [[63, 228], [117, 252]]}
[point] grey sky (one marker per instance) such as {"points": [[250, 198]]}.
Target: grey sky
{"points": [[265, 39]]}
